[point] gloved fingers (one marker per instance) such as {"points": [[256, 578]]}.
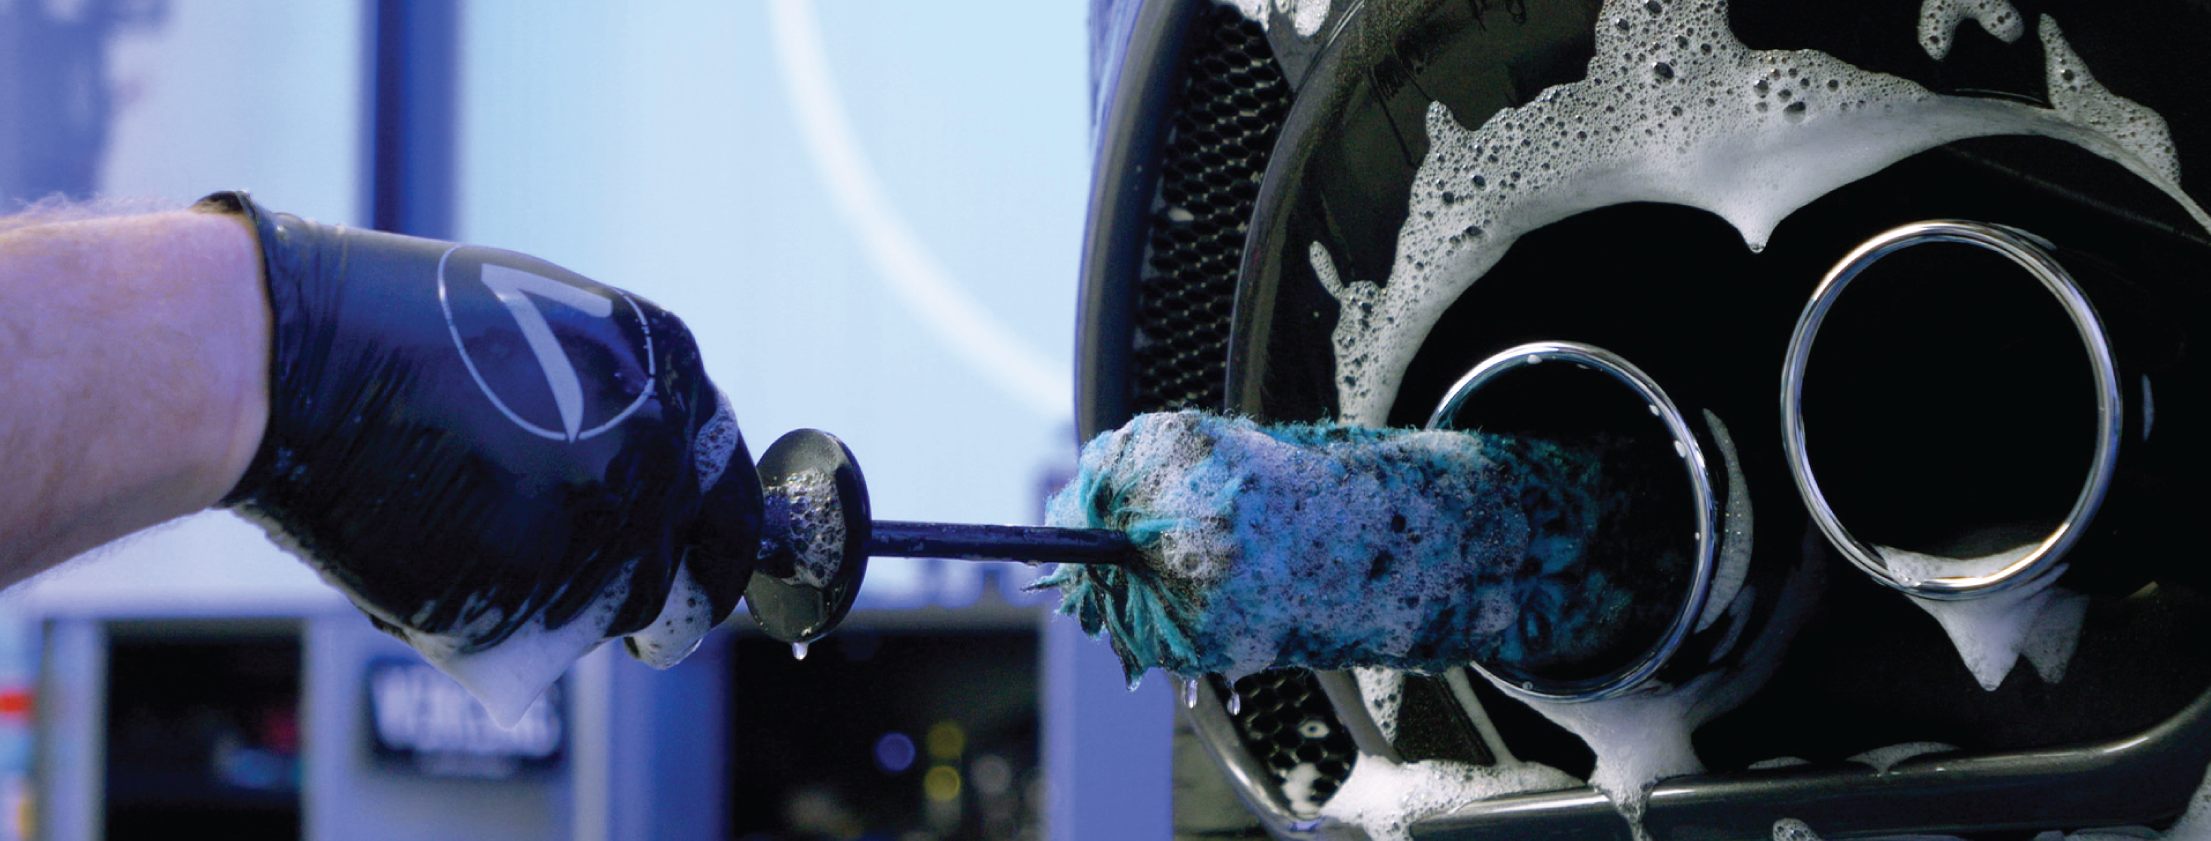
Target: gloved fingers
{"points": [[723, 544], [725, 537], [685, 617]]}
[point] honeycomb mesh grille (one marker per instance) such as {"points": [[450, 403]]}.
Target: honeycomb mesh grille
{"points": [[1287, 724], [1233, 100]]}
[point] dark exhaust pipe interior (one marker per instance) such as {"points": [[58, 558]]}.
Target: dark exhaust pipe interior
{"points": [[1948, 403]]}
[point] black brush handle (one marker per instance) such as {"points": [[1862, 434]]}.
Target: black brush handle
{"points": [[1032, 544]]}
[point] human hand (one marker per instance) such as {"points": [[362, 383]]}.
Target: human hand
{"points": [[500, 461]]}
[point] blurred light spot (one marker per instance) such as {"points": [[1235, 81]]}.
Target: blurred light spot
{"points": [[894, 753], [993, 775], [941, 783], [946, 740]]}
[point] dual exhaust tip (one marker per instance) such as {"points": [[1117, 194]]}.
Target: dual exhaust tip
{"points": [[1953, 407]]}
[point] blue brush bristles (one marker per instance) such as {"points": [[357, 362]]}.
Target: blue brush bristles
{"points": [[1328, 546]]}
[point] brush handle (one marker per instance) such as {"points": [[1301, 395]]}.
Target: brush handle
{"points": [[1031, 544]]}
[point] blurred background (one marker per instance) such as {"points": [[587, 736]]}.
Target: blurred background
{"points": [[868, 212]]}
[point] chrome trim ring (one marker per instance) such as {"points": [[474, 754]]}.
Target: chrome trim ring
{"points": [[1706, 500], [2028, 252]]}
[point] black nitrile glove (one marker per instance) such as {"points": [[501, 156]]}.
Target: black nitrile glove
{"points": [[481, 447]]}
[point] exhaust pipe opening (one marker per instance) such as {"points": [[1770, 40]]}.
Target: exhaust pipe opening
{"points": [[1659, 545], [1950, 408]]}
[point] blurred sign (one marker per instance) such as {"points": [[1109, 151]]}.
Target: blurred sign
{"points": [[422, 719]]}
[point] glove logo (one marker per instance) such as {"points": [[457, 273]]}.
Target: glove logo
{"points": [[563, 357]]}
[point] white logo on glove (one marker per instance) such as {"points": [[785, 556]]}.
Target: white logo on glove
{"points": [[524, 293]]}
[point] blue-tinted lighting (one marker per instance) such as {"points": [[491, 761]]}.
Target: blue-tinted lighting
{"points": [[894, 753]]}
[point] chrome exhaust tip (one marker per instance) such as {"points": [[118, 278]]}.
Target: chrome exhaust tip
{"points": [[1569, 392], [1933, 452]]}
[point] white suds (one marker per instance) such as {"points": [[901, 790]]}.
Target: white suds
{"points": [[1386, 798], [1639, 740], [1305, 15], [683, 621], [1791, 829], [716, 442], [1383, 690], [508, 676], [805, 517], [2136, 129], [1642, 738], [1297, 788], [2035, 617], [1675, 109], [1882, 760], [1939, 19], [1733, 564]]}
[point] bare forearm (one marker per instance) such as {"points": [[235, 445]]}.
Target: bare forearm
{"points": [[134, 369]]}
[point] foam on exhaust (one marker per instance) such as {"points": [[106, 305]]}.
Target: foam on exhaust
{"points": [[2036, 617], [1675, 109], [1305, 16], [1939, 19], [1389, 799]]}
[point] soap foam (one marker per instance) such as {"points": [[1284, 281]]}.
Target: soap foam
{"points": [[1383, 692], [1939, 19], [2034, 617], [1305, 16], [1642, 738], [1386, 798], [1732, 567], [805, 518], [508, 676], [683, 622], [1675, 109], [1330, 547]]}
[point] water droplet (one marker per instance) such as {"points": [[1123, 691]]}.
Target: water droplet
{"points": [[1680, 450], [1534, 359], [1235, 703], [1653, 407], [1794, 113], [798, 651], [1190, 694], [1664, 71]]}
